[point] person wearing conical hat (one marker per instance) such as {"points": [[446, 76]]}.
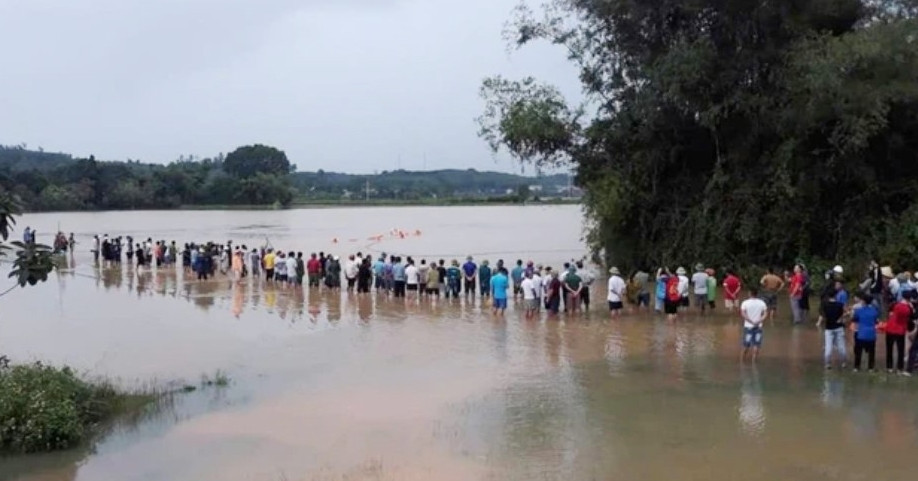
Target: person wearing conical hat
{"points": [[683, 288], [615, 292]]}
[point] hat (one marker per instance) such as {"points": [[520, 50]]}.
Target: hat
{"points": [[614, 271], [680, 271], [337, 258], [699, 267], [838, 270], [887, 272]]}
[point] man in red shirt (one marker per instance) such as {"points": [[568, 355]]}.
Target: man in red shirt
{"points": [[732, 286], [314, 270], [896, 328]]}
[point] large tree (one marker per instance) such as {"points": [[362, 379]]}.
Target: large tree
{"points": [[743, 131], [250, 160]]}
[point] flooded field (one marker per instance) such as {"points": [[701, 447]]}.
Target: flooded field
{"points": [[334, 386]]}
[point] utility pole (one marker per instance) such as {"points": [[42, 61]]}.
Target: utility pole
{"points": [[368, 190]]}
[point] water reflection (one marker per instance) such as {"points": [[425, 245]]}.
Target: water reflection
{"points": [[751, 406]]}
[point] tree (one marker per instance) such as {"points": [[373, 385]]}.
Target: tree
{"points": [[33, 262], [250, 160], [747, 132]]}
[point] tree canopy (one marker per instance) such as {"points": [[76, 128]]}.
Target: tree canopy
{"points": [[734, 131], [251, 160]]}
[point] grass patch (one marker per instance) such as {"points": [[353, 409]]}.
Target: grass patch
{"points": [[46, 408]]}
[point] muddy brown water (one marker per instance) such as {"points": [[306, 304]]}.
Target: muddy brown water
{"points": [[329, 386]]}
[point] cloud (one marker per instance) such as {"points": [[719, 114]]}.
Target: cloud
{"points": [[339, 84]]}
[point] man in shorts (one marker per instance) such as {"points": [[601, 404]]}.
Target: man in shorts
{"points": [[732, 286], [700, 288], [754, 312], [269, 261], [530, 297], [499, 285], [616, 292], [771, 284]]}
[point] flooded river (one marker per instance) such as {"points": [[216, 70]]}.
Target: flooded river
{"points": [[344, 387]]}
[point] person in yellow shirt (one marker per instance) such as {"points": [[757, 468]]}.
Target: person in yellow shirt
{"points": [[269, 265]]}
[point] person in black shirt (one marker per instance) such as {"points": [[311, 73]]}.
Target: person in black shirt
{"points": [[833, 313]]}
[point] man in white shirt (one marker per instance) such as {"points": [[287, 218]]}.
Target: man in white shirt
{"points": [[537, 286], [411, 278], [754, 311], [616, 292], [350, 273], [700, 287], [291, 269], [530, 294]]}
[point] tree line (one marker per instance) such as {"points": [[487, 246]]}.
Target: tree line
{"points": [[251, 175], [256, 174], [737, 131]]}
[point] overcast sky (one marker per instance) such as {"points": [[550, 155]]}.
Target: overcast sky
{"points": [[345, 85]]}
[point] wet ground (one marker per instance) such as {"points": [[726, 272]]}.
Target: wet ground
{"points": [[331, 386]]}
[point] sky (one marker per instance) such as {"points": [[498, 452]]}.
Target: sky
{"points": [[342, 85]]}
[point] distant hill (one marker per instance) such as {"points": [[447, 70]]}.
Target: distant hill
{"points": [[406, 184]]}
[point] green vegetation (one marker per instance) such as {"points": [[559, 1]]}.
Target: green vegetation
{"points": [[744, 132], [43, 408], [250, 176]]}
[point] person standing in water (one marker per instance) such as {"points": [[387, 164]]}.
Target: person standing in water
{"points": [[469, 271], [528, 291], [865, 319], [771, 284], [499, 285], [484, 278], [700, 288], [832, 313], [517, 275], [616, 292], [754, 312]]}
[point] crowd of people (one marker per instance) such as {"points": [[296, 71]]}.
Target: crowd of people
{"points": [[881, 303]]}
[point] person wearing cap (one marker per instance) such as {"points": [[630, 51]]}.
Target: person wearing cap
{"points": [[700, 287], [469, 271], [681, 274], [615, 292]]}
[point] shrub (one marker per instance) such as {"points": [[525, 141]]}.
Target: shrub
{"points": [[43, 408]]}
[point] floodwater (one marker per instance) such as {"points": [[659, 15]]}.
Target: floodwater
{"points": [[342, 387]]}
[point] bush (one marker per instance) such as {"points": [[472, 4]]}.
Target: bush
{"points": [[43, 408]]}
